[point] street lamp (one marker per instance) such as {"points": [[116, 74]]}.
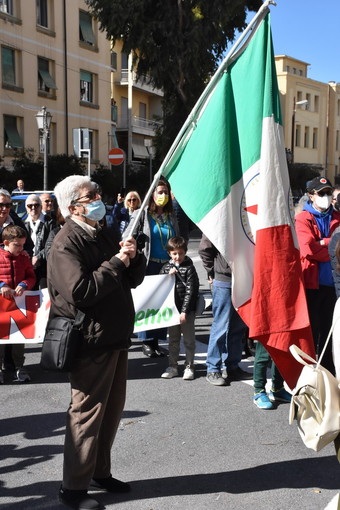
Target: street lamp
{"points": [[296, 103], [44, 122]]}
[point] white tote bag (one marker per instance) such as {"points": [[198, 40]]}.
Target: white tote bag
{"points": [[315, 403]]}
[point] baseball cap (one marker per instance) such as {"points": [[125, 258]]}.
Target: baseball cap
{"points": [[319, 183]]}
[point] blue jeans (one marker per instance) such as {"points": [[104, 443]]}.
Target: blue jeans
{"points": [[227, 330]]}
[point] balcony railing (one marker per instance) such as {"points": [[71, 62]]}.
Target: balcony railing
{"points": [[138, 124], [141, 83]]}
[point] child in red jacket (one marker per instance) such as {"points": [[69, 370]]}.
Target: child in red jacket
{"points": [[16, 276]]}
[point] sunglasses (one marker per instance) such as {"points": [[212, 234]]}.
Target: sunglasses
{"points": [[33, 206], [132, 200], [7, 205], [48, 201], [329, 193]]}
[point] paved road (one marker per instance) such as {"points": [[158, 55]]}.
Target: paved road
{"points": [[182, 444]]}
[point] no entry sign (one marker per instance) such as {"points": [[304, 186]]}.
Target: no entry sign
{"points": [[116, 156]]}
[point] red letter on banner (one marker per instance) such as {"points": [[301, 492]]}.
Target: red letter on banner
{"points": [[25, 323]]}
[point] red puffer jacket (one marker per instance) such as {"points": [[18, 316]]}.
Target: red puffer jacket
{"points": [[15, 270], [311, 251]]}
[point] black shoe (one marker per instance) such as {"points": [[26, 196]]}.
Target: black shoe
{"points": [[110, 484], [149, 351], [237, 374], [79, 500]]}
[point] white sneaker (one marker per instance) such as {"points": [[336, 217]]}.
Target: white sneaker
{"points": [[170, 373], [22, 375], [189, 373]]}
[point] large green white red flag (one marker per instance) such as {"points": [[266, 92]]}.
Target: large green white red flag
{"points": [[229, 173]]}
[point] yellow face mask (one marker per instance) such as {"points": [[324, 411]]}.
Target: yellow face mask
{"points": [[162, 200]]}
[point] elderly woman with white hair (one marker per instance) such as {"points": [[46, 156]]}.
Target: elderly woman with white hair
{"points": [[92, 271]]}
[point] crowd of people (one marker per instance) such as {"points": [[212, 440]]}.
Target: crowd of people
{"points": [[65, 245]]}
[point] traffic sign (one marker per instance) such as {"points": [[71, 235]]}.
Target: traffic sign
{"points": [[116, 156]]}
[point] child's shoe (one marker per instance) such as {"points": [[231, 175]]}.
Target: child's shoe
{"points": [[261, 400], [170, 372], [280, 396], [21, 375], [189, 373]]}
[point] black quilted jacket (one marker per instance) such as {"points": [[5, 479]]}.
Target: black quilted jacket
{"points": [[187, 285]]}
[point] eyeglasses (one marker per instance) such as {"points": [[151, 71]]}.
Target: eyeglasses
{"points": [[7, 205], [33, 206], [132, 200], [90, 195], [48, 201], [329, 193]]}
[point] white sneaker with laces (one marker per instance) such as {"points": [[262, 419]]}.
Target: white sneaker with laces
{"points": [[22, 375], [170, 372], [189, 373]]}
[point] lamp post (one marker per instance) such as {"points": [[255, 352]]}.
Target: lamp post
{"points": [[296, 103], [44, 122]]}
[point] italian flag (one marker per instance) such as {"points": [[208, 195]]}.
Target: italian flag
{"points": [[230, 175]]}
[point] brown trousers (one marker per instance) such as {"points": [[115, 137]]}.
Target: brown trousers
{"points": [[98, 389]]}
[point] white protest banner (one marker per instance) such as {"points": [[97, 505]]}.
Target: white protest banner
{"points": [[24, 318], [154, 302]]}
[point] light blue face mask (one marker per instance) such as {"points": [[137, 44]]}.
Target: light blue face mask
{"points": [[95, 210]]}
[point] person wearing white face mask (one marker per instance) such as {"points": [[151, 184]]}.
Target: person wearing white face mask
{"points": [[90, 269], [314, 227]]}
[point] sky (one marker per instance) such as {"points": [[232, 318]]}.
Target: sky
{"points": [[309, 30]]}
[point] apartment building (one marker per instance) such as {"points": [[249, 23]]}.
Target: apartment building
{"points": [[137, 106], [311, 117], [54, 55]]}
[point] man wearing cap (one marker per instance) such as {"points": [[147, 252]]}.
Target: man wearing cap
{"points": [[314, 227]]}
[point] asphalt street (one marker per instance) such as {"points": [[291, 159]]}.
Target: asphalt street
{"points": [[182, 444]]}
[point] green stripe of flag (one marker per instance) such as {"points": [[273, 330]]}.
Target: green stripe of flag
{"points": [[227, 138]]}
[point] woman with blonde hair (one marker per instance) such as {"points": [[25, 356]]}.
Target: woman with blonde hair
{"points": [[124, 208]]}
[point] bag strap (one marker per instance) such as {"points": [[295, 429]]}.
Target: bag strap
{"points": [[301, 356], [327, 341], [78, 320]]}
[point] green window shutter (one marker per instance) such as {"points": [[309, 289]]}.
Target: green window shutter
{"points": [[8, 65], [47, 79], [86, 76], [11, 132], [85, 26]]}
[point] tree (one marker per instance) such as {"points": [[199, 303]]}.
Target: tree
{"points": [[177, 44]]}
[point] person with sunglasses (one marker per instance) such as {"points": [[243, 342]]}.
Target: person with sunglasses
{"points": [[9, 217], [39, 226], [124, 208], [314, 227], [47, 204]]}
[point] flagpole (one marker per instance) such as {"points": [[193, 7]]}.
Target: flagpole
{"points": [[189, 123], [261, 13]]}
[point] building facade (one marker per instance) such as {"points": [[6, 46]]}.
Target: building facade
{"points": [[53, 55], [311, 117]]}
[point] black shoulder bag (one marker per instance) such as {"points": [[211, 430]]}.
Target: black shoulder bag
{"points": [[62, 342]]}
